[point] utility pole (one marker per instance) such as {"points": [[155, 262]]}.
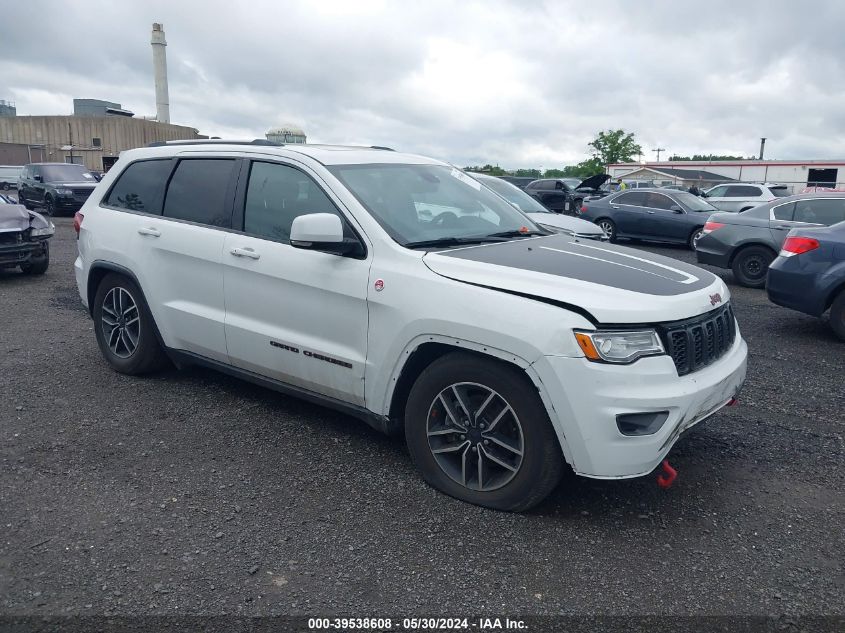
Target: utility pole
{"points": [[657, 151], [762, 146], [70, 141]]}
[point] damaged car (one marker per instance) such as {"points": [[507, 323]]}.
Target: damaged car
{"points": [[24, 238]]}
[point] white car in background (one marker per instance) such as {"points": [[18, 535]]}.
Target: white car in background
{"points": [[741, 196], [555, 222]]}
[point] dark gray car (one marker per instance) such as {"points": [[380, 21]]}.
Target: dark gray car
{"points": [[657, 215], [748, 242], [55, 187]]}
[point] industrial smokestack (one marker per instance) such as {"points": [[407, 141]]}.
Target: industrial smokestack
{"points": [[160, 72]]}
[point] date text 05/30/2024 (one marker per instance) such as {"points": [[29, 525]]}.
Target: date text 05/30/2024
{"points": [[416, 624]]}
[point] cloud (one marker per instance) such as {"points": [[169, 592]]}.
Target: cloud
{"points": [[471, 82]]}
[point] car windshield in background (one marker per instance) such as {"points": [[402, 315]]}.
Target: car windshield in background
{"points": [[780, 192], [694, 202], [517, 196], [67, 173], [572, 183], [426, 203]]}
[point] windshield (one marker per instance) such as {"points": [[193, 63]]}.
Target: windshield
{"points": [[511, 193], [693, 202], [69, 173], [572, 183], [421, 203]]}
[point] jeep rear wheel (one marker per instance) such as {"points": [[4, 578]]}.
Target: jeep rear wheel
{"points": [[124, 327], [478, 431]]}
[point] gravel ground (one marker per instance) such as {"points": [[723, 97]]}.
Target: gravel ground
{"points": [[193, 493]]}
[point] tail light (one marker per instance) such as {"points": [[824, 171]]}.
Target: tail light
{"points": [[77, 222], [583, 208], [709, 227], [797, 245]]}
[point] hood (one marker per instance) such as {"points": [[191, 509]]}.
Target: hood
{"points": [[594, 182], [614, 284], [559, 221], [15, 217]]}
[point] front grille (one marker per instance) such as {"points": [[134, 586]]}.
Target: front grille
{"points": [[11, 237], [698, 342], [82, 193]]}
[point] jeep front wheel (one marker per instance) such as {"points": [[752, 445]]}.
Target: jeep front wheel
{"points": [[478, 431]]}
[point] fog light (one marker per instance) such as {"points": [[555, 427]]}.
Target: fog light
{"points": [[641, 423]]}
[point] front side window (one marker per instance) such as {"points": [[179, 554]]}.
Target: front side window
{"points": [[140, 186], [820, 211], [418, 203], [658, 201], [277, 194], [197, 192], [718, 192]]}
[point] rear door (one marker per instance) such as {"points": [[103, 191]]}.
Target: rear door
{"points": [[629, 213], [183, 248], [294, 315], [808, 212]]}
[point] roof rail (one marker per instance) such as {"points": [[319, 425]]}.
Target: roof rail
{"points": [[215, 141], [386, 149]]}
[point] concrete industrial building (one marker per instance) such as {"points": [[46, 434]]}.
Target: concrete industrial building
{"points": [[97, 131], [796, 174], [287, 133]]}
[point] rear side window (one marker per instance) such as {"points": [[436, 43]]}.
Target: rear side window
{"points": [[140, 187], [276, 194], [634, 198], [820, 211], [742, 191], [784, 212], [780, 192], [197, 192]]}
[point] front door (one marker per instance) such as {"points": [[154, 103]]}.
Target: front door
{"points": [[294, 315]]}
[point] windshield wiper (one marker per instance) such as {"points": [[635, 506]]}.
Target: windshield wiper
{"points": [[516, 233], [456, 241]]}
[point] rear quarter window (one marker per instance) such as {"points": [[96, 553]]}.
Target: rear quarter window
{"points": [[140, 187]]}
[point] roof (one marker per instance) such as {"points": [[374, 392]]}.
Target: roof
{"points": [[685, 174], [325, 154]]}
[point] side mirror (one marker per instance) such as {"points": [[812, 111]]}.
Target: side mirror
{"points": [[37, 178], [322, 232], [676, 209]]}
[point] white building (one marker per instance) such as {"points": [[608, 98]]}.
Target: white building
{"points": [[797, 174]]}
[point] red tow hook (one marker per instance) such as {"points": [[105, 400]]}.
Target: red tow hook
{"points": [[667, 477], [732, 402]]}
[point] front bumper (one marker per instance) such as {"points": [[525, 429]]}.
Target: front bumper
{"points": [[68, 204], [21, 252], [588, 396]]}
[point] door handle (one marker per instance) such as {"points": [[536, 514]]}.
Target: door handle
{"points": [[245, 252], [651, 212], [781, 227], [150, 231]]}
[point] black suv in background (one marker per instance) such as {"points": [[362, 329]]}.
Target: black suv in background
{"points": [[558, 195], [57, 187]]}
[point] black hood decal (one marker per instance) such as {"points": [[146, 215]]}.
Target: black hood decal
{"points": [[592, 262]]}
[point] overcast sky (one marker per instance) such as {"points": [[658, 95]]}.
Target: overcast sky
{"points": [[523, 84]]}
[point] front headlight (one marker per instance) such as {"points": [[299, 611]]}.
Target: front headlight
{"points": [[64, 192], [47, 230], [618, 346]]}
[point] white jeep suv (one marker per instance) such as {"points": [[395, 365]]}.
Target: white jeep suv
{"points": [[398, 289]]}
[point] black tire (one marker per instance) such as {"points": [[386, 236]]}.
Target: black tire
{"points": [[750, 266], [541, 465], [49, 205], [576, 206], [148, 354], [38, 265], [6, 186], [694, 237], [837, 315], [609, 227]]}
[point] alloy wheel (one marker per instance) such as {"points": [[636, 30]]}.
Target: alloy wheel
{"points": [[607, 227], [121, 322], [475, 436]]}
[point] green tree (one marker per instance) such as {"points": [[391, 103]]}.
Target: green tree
{"points": [[614, 146], [555, 173], [528, 173], [703, 157], [487, 169]]}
